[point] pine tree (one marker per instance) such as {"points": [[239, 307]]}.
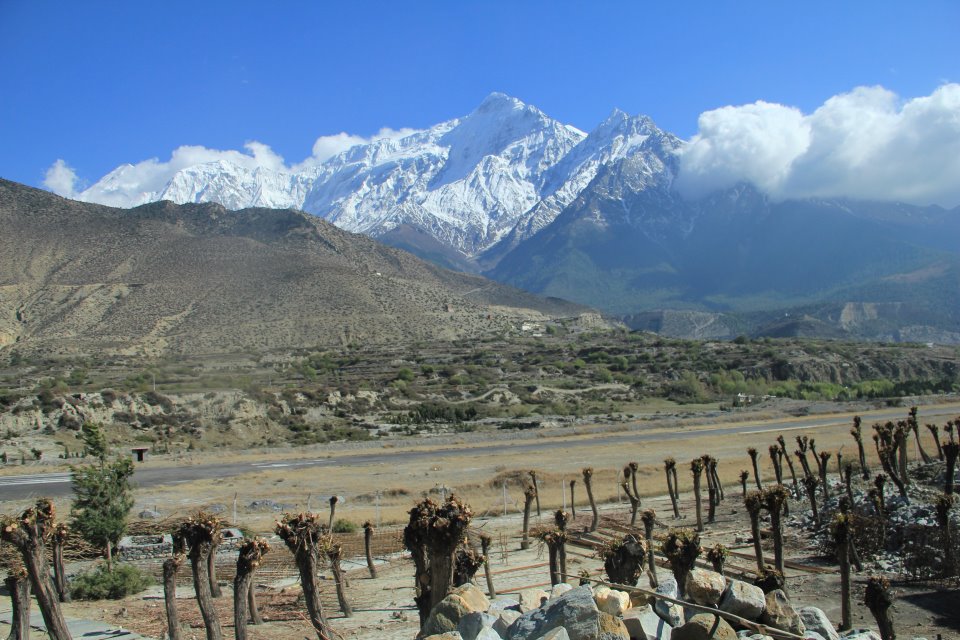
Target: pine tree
{"points": [[102, 494]]}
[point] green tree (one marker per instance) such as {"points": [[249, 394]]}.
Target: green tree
{"points": [[103, 498], [94, 440]]}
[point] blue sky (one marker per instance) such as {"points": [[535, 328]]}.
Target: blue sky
{"points": [[102, 83]]}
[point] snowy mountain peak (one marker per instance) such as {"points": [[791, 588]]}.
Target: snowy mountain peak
{"points": [[467, 182]]}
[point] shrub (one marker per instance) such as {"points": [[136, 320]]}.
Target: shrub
{"points": [[344, 526], [112, 584]]}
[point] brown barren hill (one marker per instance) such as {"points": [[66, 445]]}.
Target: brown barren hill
{"points": [[163, 278]]}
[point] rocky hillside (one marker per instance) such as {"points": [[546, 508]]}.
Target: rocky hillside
{"points": [[79, 278]]}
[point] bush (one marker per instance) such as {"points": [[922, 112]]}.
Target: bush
{"points": [[112, 584], [344, 526]]}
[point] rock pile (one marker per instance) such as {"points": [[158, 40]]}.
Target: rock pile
{"points": [[601, 613]]}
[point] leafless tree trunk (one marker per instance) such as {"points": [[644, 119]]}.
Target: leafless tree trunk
{"points": [[432, 535], [841, 539], [717, 555], [950, 451], [717, 485], [536, 490], [744, 476], [681, 547], [914, 424], [810, 484], [935, 432], [857, 433], [670, 466], [301, 533], [333, 510], [28, 534], [199, 533], [485, 541], [775, 460], [774, 499], [212, 567], [943, 505], [711, 492], [629, 472], [823, 458], [19, 587], [367, 543], [59, 574], [754, 460], [335, 554], [878, 599], [696, 467], [754, 504], [255, 617], [573, 504], [528, 494], [649, 518], [623, 562], [786, 456], [171, 567], [588, 483], [249, 558]]}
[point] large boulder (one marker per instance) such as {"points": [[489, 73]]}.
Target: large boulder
{"points": [[704, 626], [744, 600], [559, 589], [643, 623], [503, 602], [611, 628], [446, 615], [705, 587], [860, 634], [780, 614], [816, 620], [504, 620], [556, 634], [611, 601], [531, 599], [574, 611], [450, 635], [472, 624], [671, 613]]}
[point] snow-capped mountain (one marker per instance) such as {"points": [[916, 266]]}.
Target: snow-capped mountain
{"points": [[506, 170]]}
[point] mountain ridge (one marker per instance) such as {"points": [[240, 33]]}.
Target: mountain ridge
{"points": [[165, 279]]}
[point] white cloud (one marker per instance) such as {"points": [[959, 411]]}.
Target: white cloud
{"points": [[325, 147], [61, 179], [133, 184], [864, 144]]}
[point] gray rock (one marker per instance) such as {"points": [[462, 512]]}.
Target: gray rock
{"points": [[671, 613], [531, 599], [450, 635], [488, 634], [611, 628], [574, 611], [643, 624], [812, 635], [701, 627], [744, 600], [472, 623], [780, 614], [558, 590], [815, 619], [447, 614], [149, 514], [502, 603], [860, 634], [556, 634], [505, 618], [705, 587]]}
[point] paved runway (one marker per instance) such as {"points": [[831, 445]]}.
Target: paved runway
{"points": [[19, 487]]}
